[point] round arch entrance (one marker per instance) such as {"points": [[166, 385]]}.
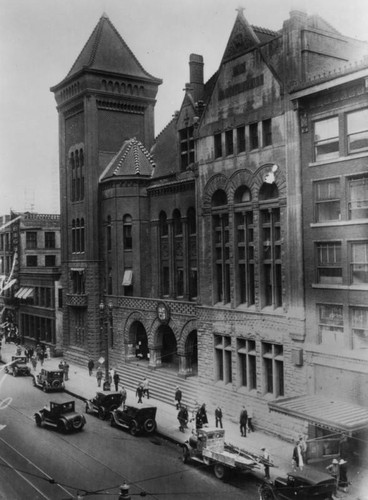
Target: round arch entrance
{"points": [[138, 337], [169, 355], [191, 353]]}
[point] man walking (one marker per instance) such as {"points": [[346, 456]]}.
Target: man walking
{"points": [[91, 365], [123, 393], [139, 393], [243, 422], [178, 396], [145, 385], [116, 381], [218, 416], [266, 462], [99, 376]]}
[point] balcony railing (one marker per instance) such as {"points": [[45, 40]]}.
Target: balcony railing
{"points": [[76, 300]]}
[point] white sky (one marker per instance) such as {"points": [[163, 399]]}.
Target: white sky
{"points": [[40, 40]]}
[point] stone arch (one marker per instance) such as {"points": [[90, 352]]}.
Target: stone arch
{"points": [[186, 330], [259, 176], [239, 178], [216, 182]]}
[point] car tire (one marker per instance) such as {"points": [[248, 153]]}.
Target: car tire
{"points": [[221, 471], [185, 455], [38, 421], [78, 423], [149, 426], [56, 384], [101, 414], [133, 428]]}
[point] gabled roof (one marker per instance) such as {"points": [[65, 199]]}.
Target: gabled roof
{"points": [[106, 51], [133, 159]]}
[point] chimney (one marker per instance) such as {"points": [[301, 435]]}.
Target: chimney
{"points": [[196, 76]]}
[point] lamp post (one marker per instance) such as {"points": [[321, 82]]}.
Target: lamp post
{"points": [[105, 322]]}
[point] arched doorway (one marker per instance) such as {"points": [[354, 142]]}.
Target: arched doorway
{"points": [[139, 338], [191, 353], [167, 340]]}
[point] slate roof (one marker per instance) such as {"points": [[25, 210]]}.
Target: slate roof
{"points": [[133, 159], [105, 50]]}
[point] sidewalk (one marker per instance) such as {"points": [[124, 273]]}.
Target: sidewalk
{"points": [[83, 386]]}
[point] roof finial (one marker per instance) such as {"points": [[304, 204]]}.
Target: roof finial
{"points": [[240, 10], [104, 15]]}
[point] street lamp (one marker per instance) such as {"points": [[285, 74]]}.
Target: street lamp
{"points": [[105, 322]]}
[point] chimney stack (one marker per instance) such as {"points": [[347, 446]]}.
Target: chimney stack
{"points": [[196, 76]]}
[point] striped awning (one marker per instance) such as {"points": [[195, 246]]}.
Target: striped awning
{"points": [[325, 412], [24, 292]]}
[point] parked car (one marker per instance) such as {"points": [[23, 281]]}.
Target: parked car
{"points": [[104, 404], [61, 416], [306, 485], [18, 366], [49, 380], [137, 419]]}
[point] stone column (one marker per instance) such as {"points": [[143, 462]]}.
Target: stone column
{"points": [[185, 365], [154, 357]]}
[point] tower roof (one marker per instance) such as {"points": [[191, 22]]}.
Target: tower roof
{"points": [[133, 159], [106, 51]]}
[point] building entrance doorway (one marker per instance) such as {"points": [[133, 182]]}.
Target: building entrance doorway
{"points": [[140, 341], [167, 340]]}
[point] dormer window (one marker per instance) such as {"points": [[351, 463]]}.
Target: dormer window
{"points": [[186, 147]]}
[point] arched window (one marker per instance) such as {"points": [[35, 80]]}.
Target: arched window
{"points": [[244, 250], [221, 246], [164, 228], [270, 239], [178, 253], [77, 236], [127, 232], [82, 236], [77, 169], [177, 223]]}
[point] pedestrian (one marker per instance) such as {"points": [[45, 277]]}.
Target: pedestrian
{"points": [[297, 460], [201, 417], [183, 418], [111, 375], [123, 393], [334, 470], [145, 385], [139, 393], [34, 362], [343, 478], [250, 422], [116, 381], [91, 365], [243, 422], [303, 448], [178, 396], [41, 356], [99, 376], [266, 462], [66, 370], [18, 351], [61, 365], [218, 417]]}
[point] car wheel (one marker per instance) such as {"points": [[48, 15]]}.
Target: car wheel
{"points": [[133, 429], [149, 425], [61, 427], [185, 455], [56, 384], [38, 420], [221, 472], [78, 423], [101, 414]]}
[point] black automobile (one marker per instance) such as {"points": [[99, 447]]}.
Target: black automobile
{"points": [[306, 485], [49, 380], [103, 404], [61, 416], [18, 366], [137, 419]]}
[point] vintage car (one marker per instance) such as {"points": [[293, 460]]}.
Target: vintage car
{"points": [[137, 419], [49, 380], [61, 416], [307, 485], [18, 366], [103, 404]]}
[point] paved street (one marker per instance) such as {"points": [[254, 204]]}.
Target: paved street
{"points": [[99, 458]]}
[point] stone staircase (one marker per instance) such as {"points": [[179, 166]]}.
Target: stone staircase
{"points": [[163, 382]]}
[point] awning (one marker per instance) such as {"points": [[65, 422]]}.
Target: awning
{"points": [[128, 276], [24, 292], [324, 412]]}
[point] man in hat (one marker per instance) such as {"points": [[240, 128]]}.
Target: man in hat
{"points": [[334, 470], [343, 479], [266, 462], [178, 396]]}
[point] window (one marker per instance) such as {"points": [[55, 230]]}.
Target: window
{"points": [[50, 260], [186, 147], [31, 260], [240, 139], [358, 198], [357, 131], [327, 200], [331, 325], [223, 359], [267, 132], [108, 233], [359, 325], [165, 281], [180, 281], [229, 144], [109, 281], [193, 278], [178, 246], [78, 281], [78, 235], [247, 366], [253, 135], [329, 266], [326, 139], [359, 263], [221, 247], [60, 298], [218, 145], [127, 232], [31, 240], [164, 254], [49, 240], [128, 282], [273, 369], [76, 165]]}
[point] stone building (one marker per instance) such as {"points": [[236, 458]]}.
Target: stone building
{"points": [[194, 239], [30, 268]]}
